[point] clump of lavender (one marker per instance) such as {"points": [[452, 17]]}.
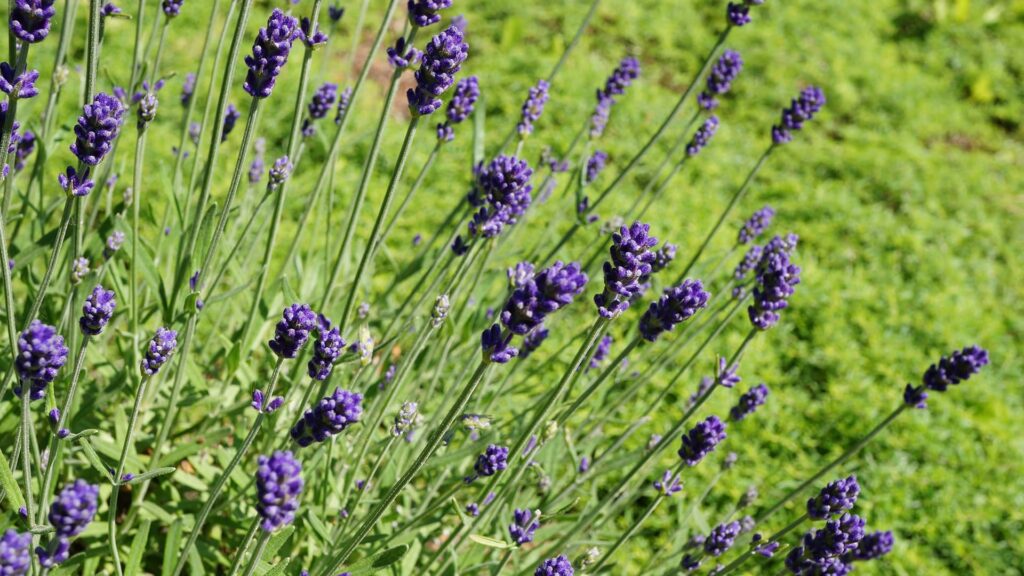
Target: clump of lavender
{"points": [[41, 354], [559, 566], [467, 92], [97, 128], [824, 551], [748, 402], [777, 278], [501, 193], [15, 553], [442, 59], [533, 107], [171, 8], [30, 19], [423, 13], [676, 305], [702, 136], [621, 78], [626, 271], [835, 498], [721, 538], [292, 331], [231, 116], [523, 525], [493, 460], [97, 311], [270, 53], [278, 487], [595, 165], [669, 484], [161, 347], [701, 440], [329, 417], [720, 80], [801, 109], [759, 222]]}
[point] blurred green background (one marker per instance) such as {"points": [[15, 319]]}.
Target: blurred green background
{"points": [[906, 192]]}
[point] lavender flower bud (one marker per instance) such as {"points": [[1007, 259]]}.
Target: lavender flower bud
{"points": [[74, 508], [15, 553], [721, 538], [270, 53], [595, 165], [79, 270], [97, 311], [701, 440], [442, 59], [74, 183], [559, 566], [496, 345], [278, 488], [335, 13], [467, 92], [551, 289], [523, 526], [147, 109], [188, 89], [329, 417], [777, 278], [403, 55], [502, 193], [604, 347], [423, 13], [406, 419], [669, 484], [492, 461], [702, 136], [676, 305], [344, 99], [323, 100], [161, 347], [749, 402], [171, 8], [801, 109], [533, 108], [835, 498], [41, 354], [631, 259], [533, 340], [292, 331], [720, 80], [314, 39], [759, 222], [231, 116], [97, 128], [440, 311], [26, 145], [21, 86], [279, 173], [30, 19]]}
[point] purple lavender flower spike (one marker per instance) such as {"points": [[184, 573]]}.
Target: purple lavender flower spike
{"points": [[312, 37], [97, 311], [559, 566], [231, 116], [343, 101], [873, 546], [834, 499], [15, 553], [720, 79], [171, 8], [97, 128], [55, 553], [22, 86], [26, 145], [759, 222], [188, 89], [109, 9], [630, 263], [520, 274], [621, 78], [777, 278], [801, 109], [738, 13], [292, 331], [328, 347], [702, 136], [335, 12], [496, 345], [549, 290], [75, 184], [502, 193], [604, 347], [467, 92], [533, 107], [957, 367], [74, 508], [30, 19], [146, 112], [595, 165], [442, 59], [663, 257], [749, 402], [423, 13], [523, 526], [278, 488], [721, 538], [323, 100], [41, 354], [701, 440], [161, 347], [270, 53], [493, 460], [329, 417], [403, 55], [669, 484], [676, 305]]}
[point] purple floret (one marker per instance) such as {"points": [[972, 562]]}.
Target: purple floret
{"points": [[278, 488], [270, 53], [329, 417]]}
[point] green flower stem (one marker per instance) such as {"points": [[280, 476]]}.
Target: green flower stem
{"points": [[153, 72], [360, 196], [140, 393], [740, 193], [635, 160], [357, 33], [222, 480], [140, 160], [376, 238], [294, 138], [732, 566], [66, 34], [439, 265], [369, 478], [257, 554], [26, 441], [56, 442], [235, 248], [608, 370], [137, 52], [679, 146], [433, 442], [92, 49], [5, 273], [849, 453], [605, 503], [412, 191], [636, 523], [328, 167], [236, 564], [505, 558]]}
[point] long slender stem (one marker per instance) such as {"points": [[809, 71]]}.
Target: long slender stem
{"points": [[611, 367], [748, 554], [140, 393], [26, 441], [140, 156], [412, 191], [137, 52], [236, 564], [257, 554]]}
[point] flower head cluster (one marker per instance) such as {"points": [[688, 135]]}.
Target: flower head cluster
{"points": [[75, 183], [493, 460], [676, 305], [627, 270], [41, 354], [328, 347], [533, 340], [720, 80], [321, 104], [160, 349], [701, 440], [777, 278], [873, 545], [278, 487], [188, 89], [335, 12], [406, 419], [759, 222], [948, 371], [595, 165], [171, 8], [533, 107], [738, 13], [702, 136], [25, 146], [311, 35], [292, 331], [74, 508], [835, 498], [113, 244], [748, 402], [442, 59], [467, 92], [669, 484], [423, 13], [15, 553], [721, 538], [30, 19], [403, 55], [559, 566], [270, 53], [329, 417], [523, 526], [621, 78], [97, 128], [344, 99], [97, 311], [801, 109], [231, 116], [22, 86], [501, 193], [828, 550]]}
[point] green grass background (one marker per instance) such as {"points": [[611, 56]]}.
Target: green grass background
{"points": [[906, 193]]}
